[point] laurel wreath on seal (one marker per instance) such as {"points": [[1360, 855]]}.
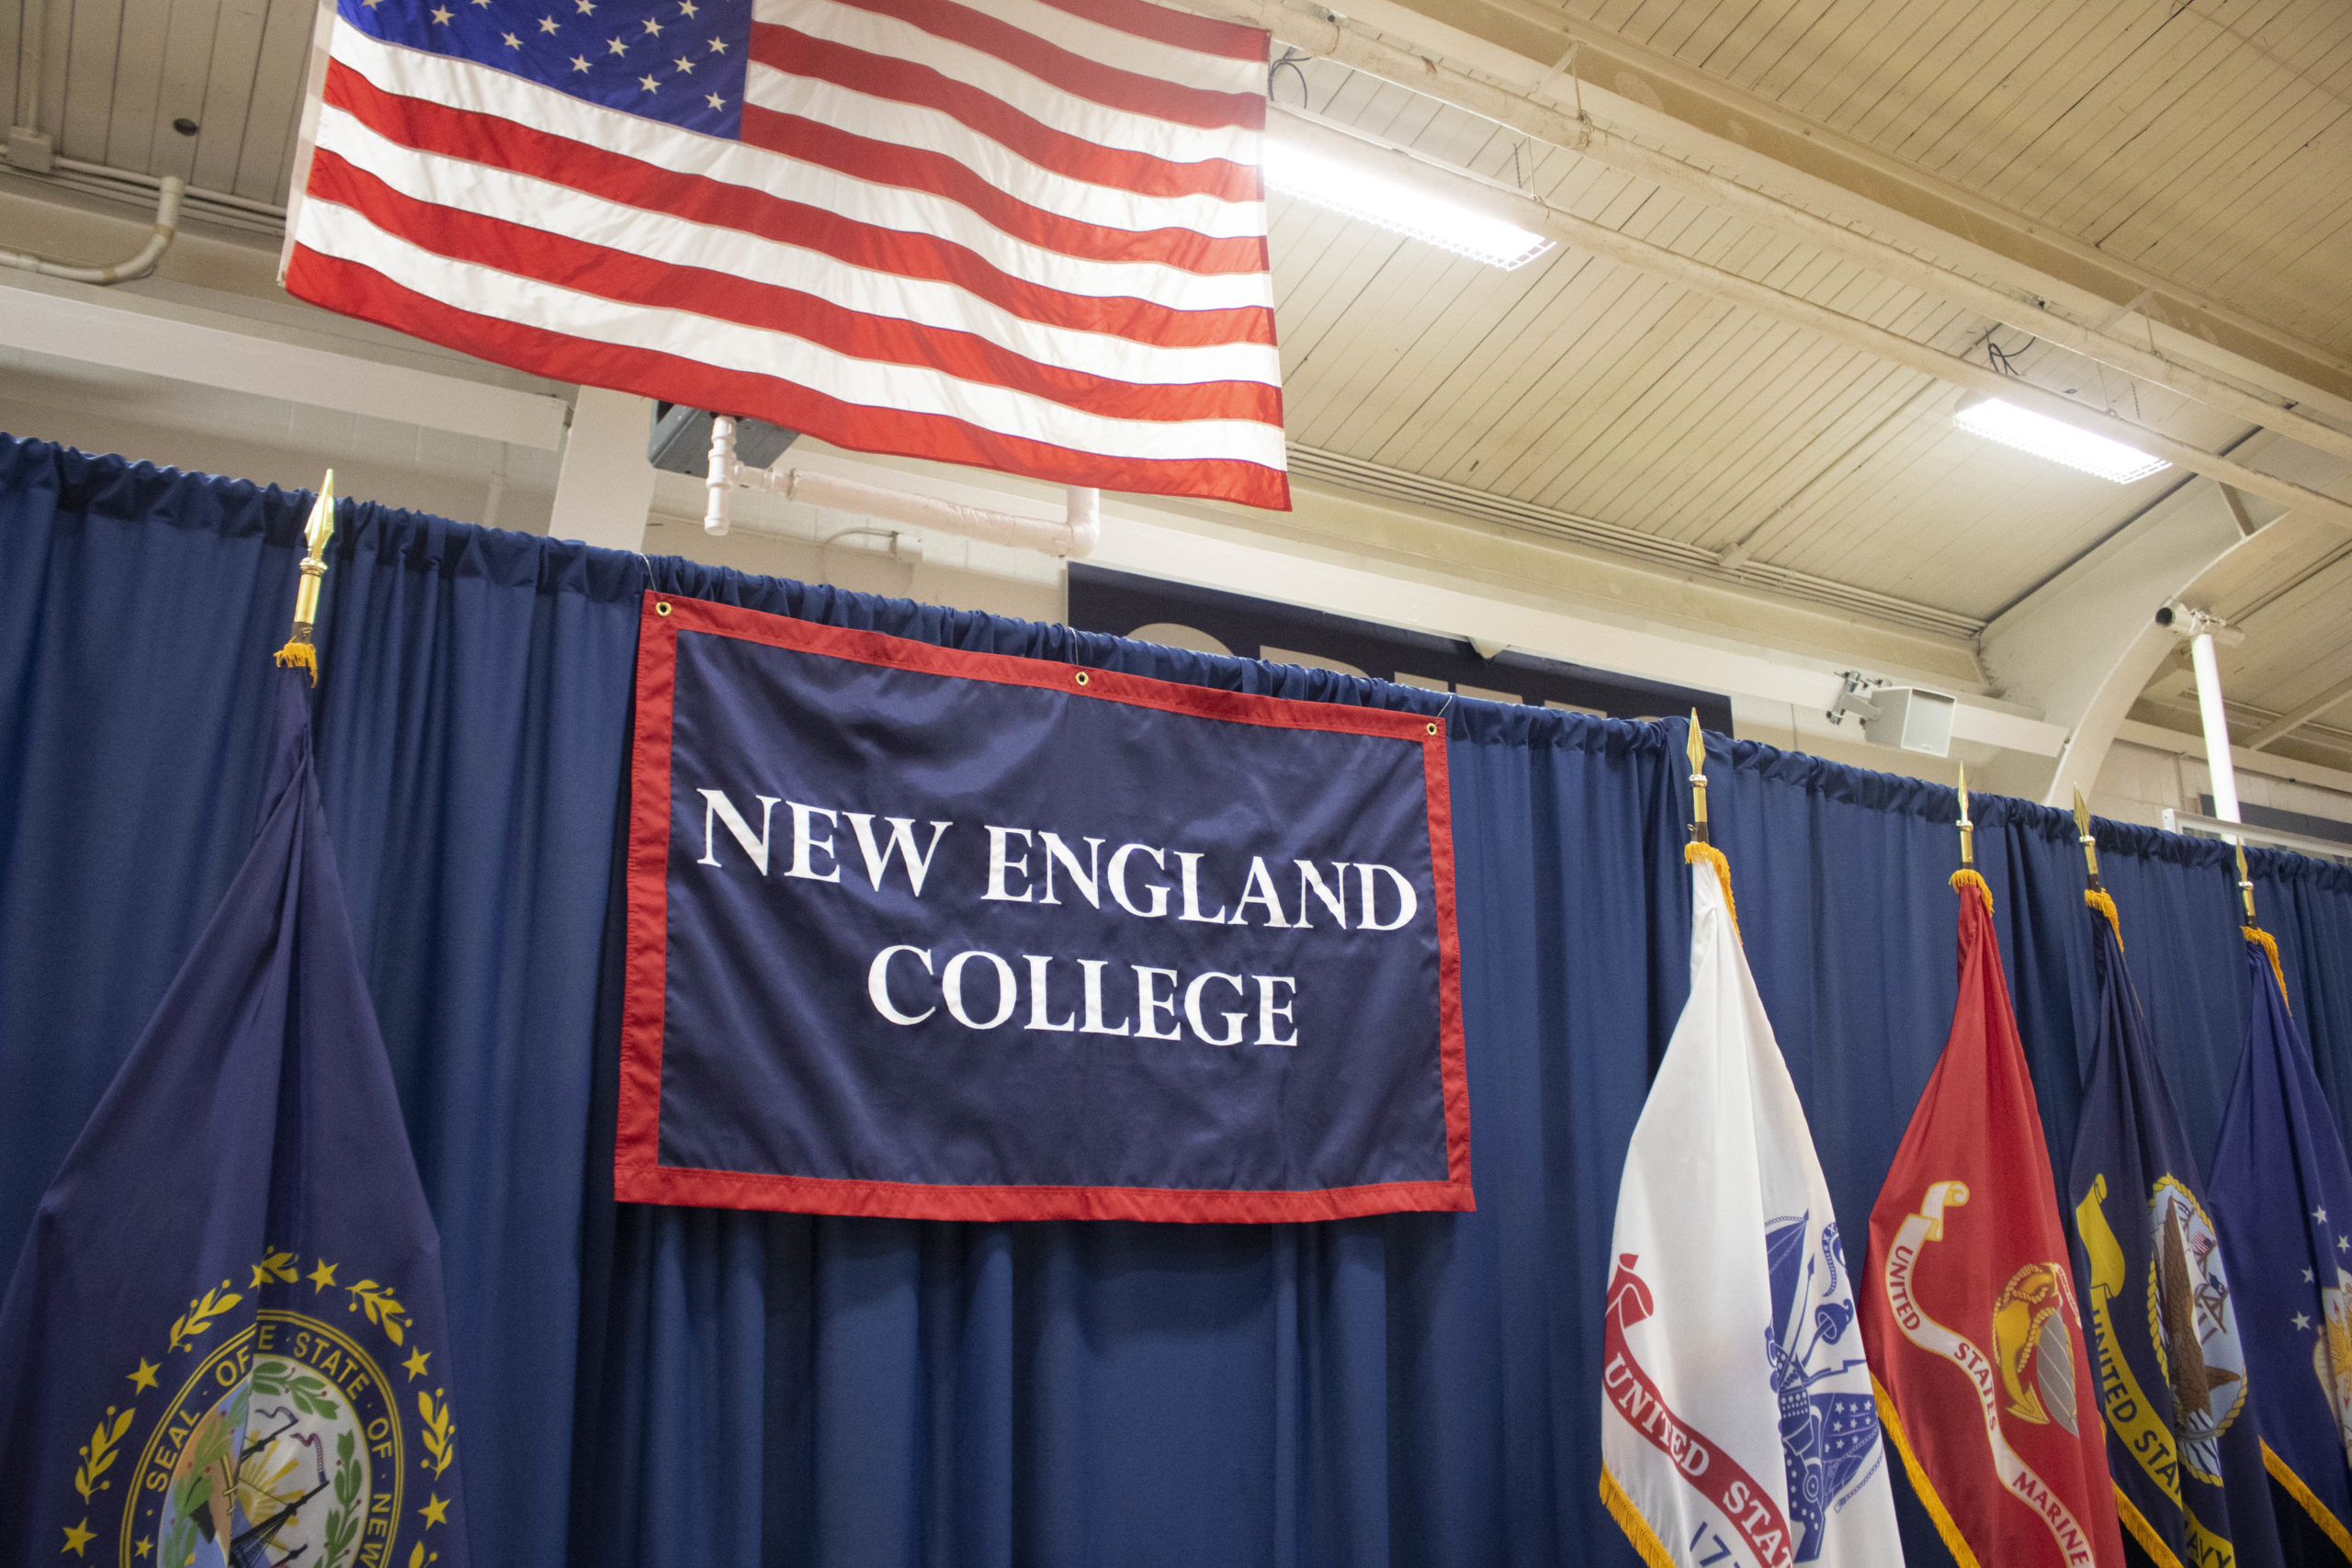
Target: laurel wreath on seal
{"points": [[439, 1434], [383, 1311], [343, 1521], [276, 1378], [98, 1454], [192, 1324]]}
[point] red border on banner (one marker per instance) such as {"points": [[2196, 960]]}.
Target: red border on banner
{"points": [[638, 1177]]}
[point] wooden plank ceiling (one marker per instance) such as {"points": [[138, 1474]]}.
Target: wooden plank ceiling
{"points": [[2209, 141]]}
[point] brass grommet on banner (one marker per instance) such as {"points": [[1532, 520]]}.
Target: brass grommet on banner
{"points": [[1081, 677], [660, 606], [1433, 730]]}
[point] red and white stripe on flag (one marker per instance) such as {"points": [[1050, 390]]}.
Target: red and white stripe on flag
{"points": [[1028, 235]]}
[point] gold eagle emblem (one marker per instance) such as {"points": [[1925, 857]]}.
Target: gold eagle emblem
{"points": [[2030, 1339]]}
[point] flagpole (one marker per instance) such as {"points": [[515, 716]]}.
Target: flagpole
{"points": [[1696, 749], [2096, 895], [1967, 829], [1966, 877], [2090, 845], [299, 651], [1701, 848], [2252, 930]]}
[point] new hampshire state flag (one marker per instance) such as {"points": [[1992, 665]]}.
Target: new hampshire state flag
{"points": [[223, 1346], [2282, 1194], [2176, 1389], [1737, 1425]]}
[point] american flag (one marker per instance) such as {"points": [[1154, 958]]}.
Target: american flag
{"points": [[1025, 234]]}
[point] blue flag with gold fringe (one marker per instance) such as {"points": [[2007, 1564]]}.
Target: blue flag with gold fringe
{"points": [[2283, 1193], [2175, 1387], [224, 1344]]}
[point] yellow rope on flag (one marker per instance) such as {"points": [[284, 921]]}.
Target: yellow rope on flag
{"points": [[1630, 1520], [1967, 878], [1893, 1423], [2101, 902], [1693, 853], [2269, 945], [2332, 1527]]}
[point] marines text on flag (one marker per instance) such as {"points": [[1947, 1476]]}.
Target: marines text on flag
{"points": [[1969, 1310], [1029, 236]]}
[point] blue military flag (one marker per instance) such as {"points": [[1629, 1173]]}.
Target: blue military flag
{"points": [[2282, 1191], [224, 1345], [2174, 1387]]}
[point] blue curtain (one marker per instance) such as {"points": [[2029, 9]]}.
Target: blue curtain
{"points": [[668, 1387]]}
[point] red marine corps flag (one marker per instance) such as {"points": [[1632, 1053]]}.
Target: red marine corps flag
{"points": [[1969, 1309]]}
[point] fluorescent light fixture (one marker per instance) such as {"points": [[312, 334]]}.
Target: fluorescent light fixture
{"points": [[1392, 204], [2057, 440]]}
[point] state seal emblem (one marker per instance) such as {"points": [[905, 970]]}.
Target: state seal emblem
{"points": [[294, 1421]]}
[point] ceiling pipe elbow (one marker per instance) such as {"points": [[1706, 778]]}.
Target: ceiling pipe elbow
{"points": [[139, 264]]}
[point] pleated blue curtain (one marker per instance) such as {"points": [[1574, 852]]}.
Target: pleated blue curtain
{"points": [[654, 1387]]}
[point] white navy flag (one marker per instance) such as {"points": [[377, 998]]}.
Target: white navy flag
{"points": [[1738, 1427]]}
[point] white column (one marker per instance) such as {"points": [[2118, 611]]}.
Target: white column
{"points": [[606, 487], [2217, 723]]}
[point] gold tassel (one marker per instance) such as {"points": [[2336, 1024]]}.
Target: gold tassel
{"points": [[1629, 1518], [1695, 851], [1892, 1424], [2293, 1486], [1966, 878], [2269, 945], [2103, 903], [299, 653]]}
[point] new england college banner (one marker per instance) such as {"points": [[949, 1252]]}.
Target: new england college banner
{"points": [[948, 935]]}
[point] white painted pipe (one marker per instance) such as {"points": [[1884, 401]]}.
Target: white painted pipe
{"points": [[1077, 533], [720, 476], [167, 221], [2217, 723], [32, 26]]}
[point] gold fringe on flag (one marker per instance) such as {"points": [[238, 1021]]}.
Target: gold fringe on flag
{"points": [[2269, 945], [1966, 878], [2103, 902], [1629, 1518], [2143, 1533], [1695, 851], [2332, 1527], [1892, 1424]]}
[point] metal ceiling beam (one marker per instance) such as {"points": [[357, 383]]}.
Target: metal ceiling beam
{"points": [[1450, 181], [1533, 45], [2295, 718], [1356, 47]]}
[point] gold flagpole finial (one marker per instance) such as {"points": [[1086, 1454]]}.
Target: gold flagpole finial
{"points": [[2083, 836], [299, 649], [1696, 749], [1967, 829], [2245, 886]]}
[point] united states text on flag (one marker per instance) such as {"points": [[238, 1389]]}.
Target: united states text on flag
{"points": [[1028, 235], [1736, 1423]]}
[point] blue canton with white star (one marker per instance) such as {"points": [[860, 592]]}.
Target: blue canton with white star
{"points": [[679, 62]]}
